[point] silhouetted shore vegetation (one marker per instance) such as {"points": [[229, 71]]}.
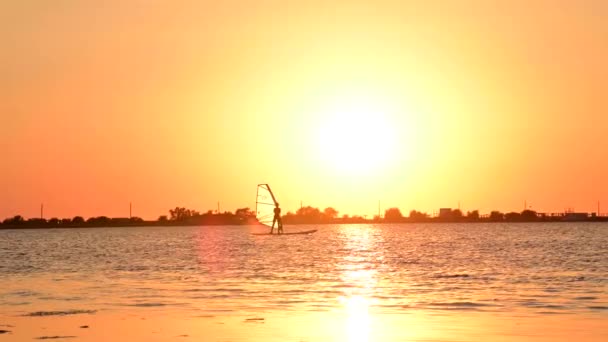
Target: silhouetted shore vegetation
{"points": [[180, 216]]}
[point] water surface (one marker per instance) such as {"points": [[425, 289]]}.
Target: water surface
{"points": [[514, 269]]}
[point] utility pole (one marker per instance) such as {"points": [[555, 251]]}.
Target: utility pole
{"points": [[378, 208], [598, 208], [41, 210], [218, 207], [130, 210]]}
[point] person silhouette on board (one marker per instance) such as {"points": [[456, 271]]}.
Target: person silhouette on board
{"points": [[277, 220]]}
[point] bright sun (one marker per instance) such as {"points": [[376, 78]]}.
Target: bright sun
{"points": [[356, 134]]}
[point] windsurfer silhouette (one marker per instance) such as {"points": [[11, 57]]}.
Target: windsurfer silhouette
{"points": [[277, 219]]}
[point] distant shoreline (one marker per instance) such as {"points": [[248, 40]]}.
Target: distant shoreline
{"points": [[178, 224], [305, 215]]}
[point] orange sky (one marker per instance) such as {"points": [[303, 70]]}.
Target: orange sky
{"points": [[420, 104]]}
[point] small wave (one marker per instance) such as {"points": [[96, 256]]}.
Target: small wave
{"points": [[293, 292], [16, 303], [211, 296], [67, 299], [394, 306], [154, 304], [340, 286], [288, 301], [132, 268], [254, 320], [469, 306], [581, 278], [53, 337], [146, 305], [551, 306], [220, 310], [585, 298], [59, 313], [530, 303], [142, 296], [541, 295], [462, 304], [23, 293], [598, 307], [220, 289], [407, 262], [443, 276], [386, 297]]}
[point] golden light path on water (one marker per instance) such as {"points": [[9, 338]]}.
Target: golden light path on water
{"points": [[361, 279], [361, 268], [358, 322]]}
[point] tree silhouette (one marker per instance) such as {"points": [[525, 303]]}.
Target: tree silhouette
{"points": [[308, 215], [456, 214], [179, 214], [244, 213], [15, 220], [36, 222], [512, 216], [78, 220], [135, 219], [330, 213], [496, 216], [393, 215], [473, 215], [529, 215], [418, 216], [99, 221]]}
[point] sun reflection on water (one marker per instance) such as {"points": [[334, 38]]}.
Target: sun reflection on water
{"points": [[359, 278], [358, 320]]}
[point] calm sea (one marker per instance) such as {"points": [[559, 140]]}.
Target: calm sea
{"points": [[509, 268]]}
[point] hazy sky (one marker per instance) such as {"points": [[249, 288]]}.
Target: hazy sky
{"points": [[419, 104]]}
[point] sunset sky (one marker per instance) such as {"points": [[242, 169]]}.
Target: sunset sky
{"points": [[419, 104]]}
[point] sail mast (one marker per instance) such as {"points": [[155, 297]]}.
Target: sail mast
{"points": [[271, 194]]}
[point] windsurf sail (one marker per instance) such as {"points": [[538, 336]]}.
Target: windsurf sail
{"points": [[264, 205]]}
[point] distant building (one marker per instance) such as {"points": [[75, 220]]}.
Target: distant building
{"points": [[576, 216], [445, 212]]}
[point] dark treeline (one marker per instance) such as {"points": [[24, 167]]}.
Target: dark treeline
{"points": [[394, 215], [308, 215], [305, 215], [177, 217], [456, 215]]}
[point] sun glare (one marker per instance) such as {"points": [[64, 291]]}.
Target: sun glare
{"points": [[358, 320], [356, 135]]}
